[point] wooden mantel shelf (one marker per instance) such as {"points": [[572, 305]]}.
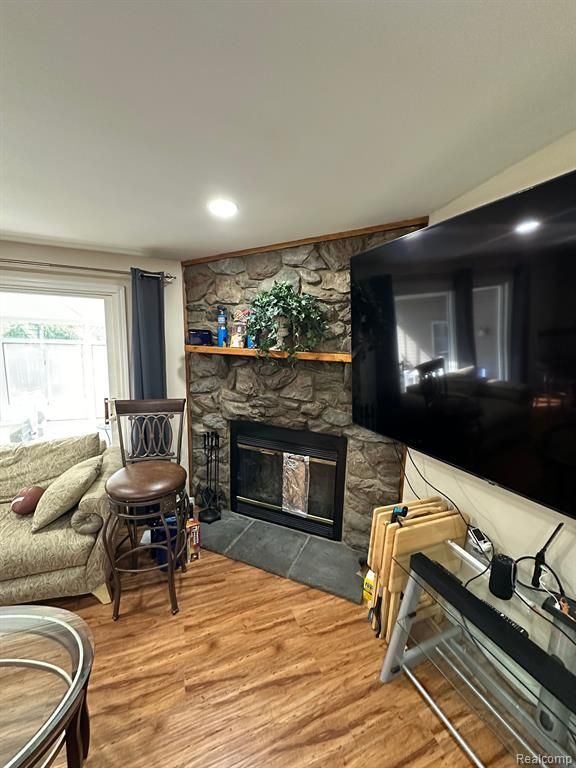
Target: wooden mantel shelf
{"points": [[324, 357]]}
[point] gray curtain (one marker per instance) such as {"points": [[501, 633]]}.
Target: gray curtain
{"points": [[148, 335]]}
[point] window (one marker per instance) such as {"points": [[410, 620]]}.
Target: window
{"points": [[425, 331], [61, 354]]}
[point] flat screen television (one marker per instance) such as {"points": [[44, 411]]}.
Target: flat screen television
{"points": [[464, 342]]}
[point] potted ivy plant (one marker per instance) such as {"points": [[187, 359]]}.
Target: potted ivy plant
{"points": [[283, 319]]}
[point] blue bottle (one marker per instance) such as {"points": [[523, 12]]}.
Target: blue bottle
{"points": [[222, 329]]}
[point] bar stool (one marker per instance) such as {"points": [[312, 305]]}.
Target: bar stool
{"points": [[149, 492]]}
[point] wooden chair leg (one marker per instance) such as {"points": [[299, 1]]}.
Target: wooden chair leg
{"points": [[384, 608], [393, 609]]}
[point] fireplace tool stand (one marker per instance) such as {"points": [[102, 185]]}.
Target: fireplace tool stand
{"points": [[211, 496]]}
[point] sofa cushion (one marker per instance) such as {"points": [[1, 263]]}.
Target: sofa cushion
{"points": [[25, 464], [55, 547], [65, 492], [26, 500]]}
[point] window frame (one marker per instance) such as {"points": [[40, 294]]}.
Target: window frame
{"points": [[114, 293]]}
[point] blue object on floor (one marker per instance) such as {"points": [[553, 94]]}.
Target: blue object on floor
{"points": [[158, 536]]}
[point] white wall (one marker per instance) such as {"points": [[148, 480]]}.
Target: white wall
{"points": [[516, 525], [551, 161], [175, 360]]}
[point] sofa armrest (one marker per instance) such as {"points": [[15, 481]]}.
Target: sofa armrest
{"points": [[93, 506], [90, 518]]}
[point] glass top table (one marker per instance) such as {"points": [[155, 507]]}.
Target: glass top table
{"points": [[434, 641], [45, 663]]}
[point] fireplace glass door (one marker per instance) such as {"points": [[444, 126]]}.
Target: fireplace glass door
{"points": [[290, 477]]}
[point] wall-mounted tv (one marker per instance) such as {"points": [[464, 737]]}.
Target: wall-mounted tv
{"points": [[464, 342]]}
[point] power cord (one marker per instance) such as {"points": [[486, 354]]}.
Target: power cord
{"points": [[438, 490], [399, 457], [529, 605], [541, 615], [477, 576], [562, 593], [468, 526]]}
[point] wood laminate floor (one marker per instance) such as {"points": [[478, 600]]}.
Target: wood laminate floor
{"points": [[254, 672]]}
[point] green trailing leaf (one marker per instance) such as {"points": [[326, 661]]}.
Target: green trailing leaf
{"points": [[299, 312]]}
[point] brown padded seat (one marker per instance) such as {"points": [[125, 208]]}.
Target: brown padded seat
{"points": [[145, 481]]}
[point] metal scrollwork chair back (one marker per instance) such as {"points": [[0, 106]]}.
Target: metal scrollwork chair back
{"points": [[150, 429]]}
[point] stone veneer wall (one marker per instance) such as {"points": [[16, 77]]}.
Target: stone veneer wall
{"points": [[303, 395]]}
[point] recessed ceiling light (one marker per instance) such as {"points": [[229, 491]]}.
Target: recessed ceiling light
{"points": [[526, 227], [222, 208]]}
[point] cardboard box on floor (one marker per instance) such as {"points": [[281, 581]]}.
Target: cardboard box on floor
{"points": [[428, 522]]}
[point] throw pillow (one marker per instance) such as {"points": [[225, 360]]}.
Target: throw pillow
{"points": [[65, 492], [26, 500]]}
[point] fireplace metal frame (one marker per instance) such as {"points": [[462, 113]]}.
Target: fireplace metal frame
{"points": [[318, 446]]}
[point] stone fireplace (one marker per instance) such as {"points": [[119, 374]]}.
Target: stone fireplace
{"points": [[307, 396]]}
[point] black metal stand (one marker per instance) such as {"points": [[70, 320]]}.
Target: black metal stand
{"points": [[210, 496]]}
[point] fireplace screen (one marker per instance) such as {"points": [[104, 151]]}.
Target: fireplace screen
{"points": [[295, 483], [288, 476]]}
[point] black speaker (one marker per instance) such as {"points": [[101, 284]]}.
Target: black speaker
{"points": [[503, 577]]}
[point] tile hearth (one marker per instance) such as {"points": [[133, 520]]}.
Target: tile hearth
{"points": [[327, 565]]}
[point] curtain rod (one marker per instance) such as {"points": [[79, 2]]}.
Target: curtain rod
{"points": [[167, 277]]}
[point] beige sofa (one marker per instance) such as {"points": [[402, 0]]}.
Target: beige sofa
{"points": [[58, 560]]}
